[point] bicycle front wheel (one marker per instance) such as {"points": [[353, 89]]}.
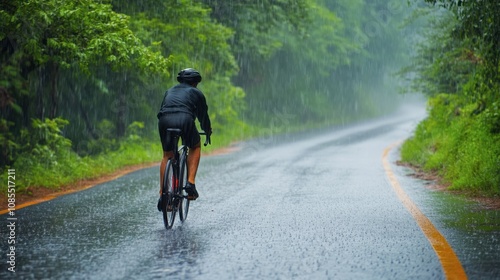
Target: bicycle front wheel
{"points": [[168, 208], [183, 175]]}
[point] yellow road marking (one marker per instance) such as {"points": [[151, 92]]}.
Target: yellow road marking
{"points": [[46, 198], [449, 261]]}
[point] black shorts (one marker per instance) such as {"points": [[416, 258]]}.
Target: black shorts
{"points": [[183, 121]]}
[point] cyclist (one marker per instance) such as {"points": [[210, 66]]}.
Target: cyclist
{"points": [[181, 105]]}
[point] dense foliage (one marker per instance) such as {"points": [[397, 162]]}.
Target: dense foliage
{"points": [[81, 81], [458, 68]]}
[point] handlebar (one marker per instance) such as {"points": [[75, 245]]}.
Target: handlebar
{"points": [[207, 138]]}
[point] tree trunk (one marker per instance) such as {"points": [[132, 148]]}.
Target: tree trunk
{"points": [[40, 108], [122, 113], [122, 106], [54, 74], [88, 124]]}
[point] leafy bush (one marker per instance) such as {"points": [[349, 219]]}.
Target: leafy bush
{"points": [[8, 145], [458, 143], [41, 150], [46, 159]]}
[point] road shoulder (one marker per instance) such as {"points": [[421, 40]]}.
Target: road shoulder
{"points": [[436, 183]]}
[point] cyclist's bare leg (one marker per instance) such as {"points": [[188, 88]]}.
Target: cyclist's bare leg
{"points": [[166, 156], [193, 161]]}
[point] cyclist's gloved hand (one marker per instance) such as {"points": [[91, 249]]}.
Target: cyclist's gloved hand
{"points": [[208, 132]]}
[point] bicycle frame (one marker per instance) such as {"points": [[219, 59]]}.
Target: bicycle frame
{"points": [[175, 200]]}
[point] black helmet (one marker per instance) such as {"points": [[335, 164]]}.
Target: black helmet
{"points": [[189, 75]]}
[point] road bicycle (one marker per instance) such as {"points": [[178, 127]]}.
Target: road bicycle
{"points": [[174, 195]]}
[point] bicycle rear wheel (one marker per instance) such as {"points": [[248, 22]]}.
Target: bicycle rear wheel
{"points": [[168, 208], [183, 175]]}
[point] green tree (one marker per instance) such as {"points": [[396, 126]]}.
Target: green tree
{"points": [[39, 38], [335, 69], [256, 24], [442, 62], [185, 31], [479, 20], [479, 23]]}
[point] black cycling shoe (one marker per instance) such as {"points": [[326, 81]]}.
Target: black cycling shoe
{"points": [[191, 190], [159, 204]]}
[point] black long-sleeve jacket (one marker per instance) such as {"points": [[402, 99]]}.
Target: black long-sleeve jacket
{"points": [[188, 99]]}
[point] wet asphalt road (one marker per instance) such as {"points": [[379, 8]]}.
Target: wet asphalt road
{"points": [[289, 207]]}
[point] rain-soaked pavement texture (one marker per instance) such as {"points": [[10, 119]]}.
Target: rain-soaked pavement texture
{"points": [[293, 207]]}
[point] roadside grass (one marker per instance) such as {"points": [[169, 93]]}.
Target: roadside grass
{"points": [[458, 145], [68, 167]]}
